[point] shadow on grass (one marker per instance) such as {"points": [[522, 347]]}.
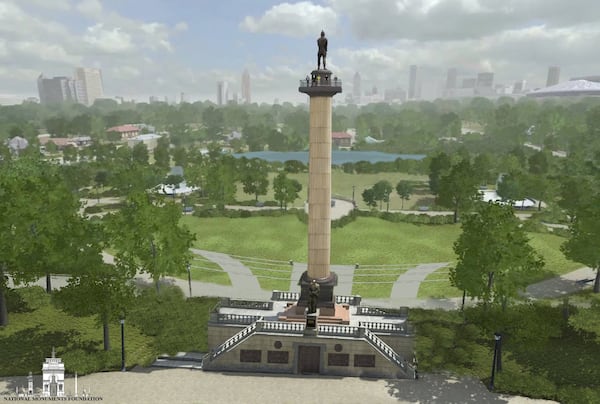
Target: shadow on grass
{"points": [[433, 388], [25, 350]]}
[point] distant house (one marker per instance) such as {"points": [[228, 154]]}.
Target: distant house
{"points": [[149, 139], [126, 131], [60, 142], [341, 140]]}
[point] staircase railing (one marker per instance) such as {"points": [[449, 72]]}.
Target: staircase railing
{"points": [[389, 353], [231, 343]]}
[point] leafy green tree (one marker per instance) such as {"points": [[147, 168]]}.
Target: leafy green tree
{"points": [[286, 190], [41, 229], [458, 189], [139, 154], [70, 154], [180, 156], [494, 256], [513, 187], [368, 196], [438, 166], [220, 178], [254, 176], [404, 189], [148, 237], [104, 291], [162, 157], [583, 244], [383, 190]]}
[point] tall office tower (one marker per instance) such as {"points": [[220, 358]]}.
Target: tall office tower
{"points": [[519, 87], [412, 82], [222, 93], [246, 87], [92, 86], [56, 89], [182, 98], [485, 80], [356, 89], [451, 78], [553, 76]]}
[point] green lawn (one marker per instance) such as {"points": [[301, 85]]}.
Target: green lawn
{"points": [[376, 281], [153, 326], [35, 326], [204, 270], [367, 241], [341, 185], [271, 274]]}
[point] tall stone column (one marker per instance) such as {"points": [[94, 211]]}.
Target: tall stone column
{"points": [[321, 87]]}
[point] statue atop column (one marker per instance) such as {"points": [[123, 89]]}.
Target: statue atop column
{"points": [[322, 44], [313, 296]]}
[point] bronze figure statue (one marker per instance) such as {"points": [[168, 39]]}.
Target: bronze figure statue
{"points": [[322, 43], [313, 296]]}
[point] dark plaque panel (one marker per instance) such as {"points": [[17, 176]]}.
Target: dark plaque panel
{"points": [[278, 357], [364, 361], [337, 359], [250, 355]]}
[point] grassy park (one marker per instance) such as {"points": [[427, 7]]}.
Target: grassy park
{"points": [[153, 326], [370, 242], [342, 184]]}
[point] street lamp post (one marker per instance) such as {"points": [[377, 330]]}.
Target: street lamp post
{"points": [[353, 188], [189, 269], [123, 368], [496, 362]]}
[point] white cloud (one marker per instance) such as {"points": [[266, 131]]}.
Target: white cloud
{"points": [[126, 72], [90, 8], [109, 40], [58, 5], [181, 26], [298, 19]]}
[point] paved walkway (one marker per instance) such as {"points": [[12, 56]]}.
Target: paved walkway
{"points": [[154, 385], [404, 291]]}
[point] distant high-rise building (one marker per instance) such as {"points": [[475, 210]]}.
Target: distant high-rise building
{"points": [[91, 84], [553, 76], [246, 87], [222, 93], [451, 78], [356, 89], [469, 82], [519, 87], [56, 89], [182, 98], [412, 82], [485, 80]]}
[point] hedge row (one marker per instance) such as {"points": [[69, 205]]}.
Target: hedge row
{"points": [[397, 217], [240, 213]]}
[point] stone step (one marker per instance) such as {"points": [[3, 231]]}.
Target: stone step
{"points": [[181, 364]]}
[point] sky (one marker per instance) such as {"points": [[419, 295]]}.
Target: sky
{"points": [[165, 47]]}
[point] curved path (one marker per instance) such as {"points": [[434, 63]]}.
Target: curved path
{"points": [[244, 285]]}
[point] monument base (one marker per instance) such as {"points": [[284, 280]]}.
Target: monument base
{"points": [[340, 315], [326, 301]]}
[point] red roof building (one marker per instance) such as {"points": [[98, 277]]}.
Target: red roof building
{"points": [[126, 131], [341, 140]]}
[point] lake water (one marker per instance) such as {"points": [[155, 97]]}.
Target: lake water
{"points": [[337, 156]]}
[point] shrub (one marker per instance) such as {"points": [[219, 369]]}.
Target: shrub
{"points": [[92, 209]]}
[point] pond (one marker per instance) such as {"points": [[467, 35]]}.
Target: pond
{"points": [[337, 156]]}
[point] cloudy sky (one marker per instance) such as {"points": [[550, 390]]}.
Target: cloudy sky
{"points": [[165, 47]]}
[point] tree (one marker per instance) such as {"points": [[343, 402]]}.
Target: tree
{"points": [[42, 230], [105, 291], [70, 154], [254, 176], [404, 189], [382, 190], [155, 242], [180, 156], [139, 154], [438, 166], [494, 255], [583, 244], [162, 158], [286, 190], [368, 196], [458, 189]]}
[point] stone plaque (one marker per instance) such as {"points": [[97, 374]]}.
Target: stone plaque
{"points": [[250, 355], [336, 359], [278, 357], [364, 361]]}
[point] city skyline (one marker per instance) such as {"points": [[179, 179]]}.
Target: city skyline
{"points": [[166, 50]]}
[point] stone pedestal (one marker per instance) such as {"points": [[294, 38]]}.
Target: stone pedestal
{"points": [[326, 301]]}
